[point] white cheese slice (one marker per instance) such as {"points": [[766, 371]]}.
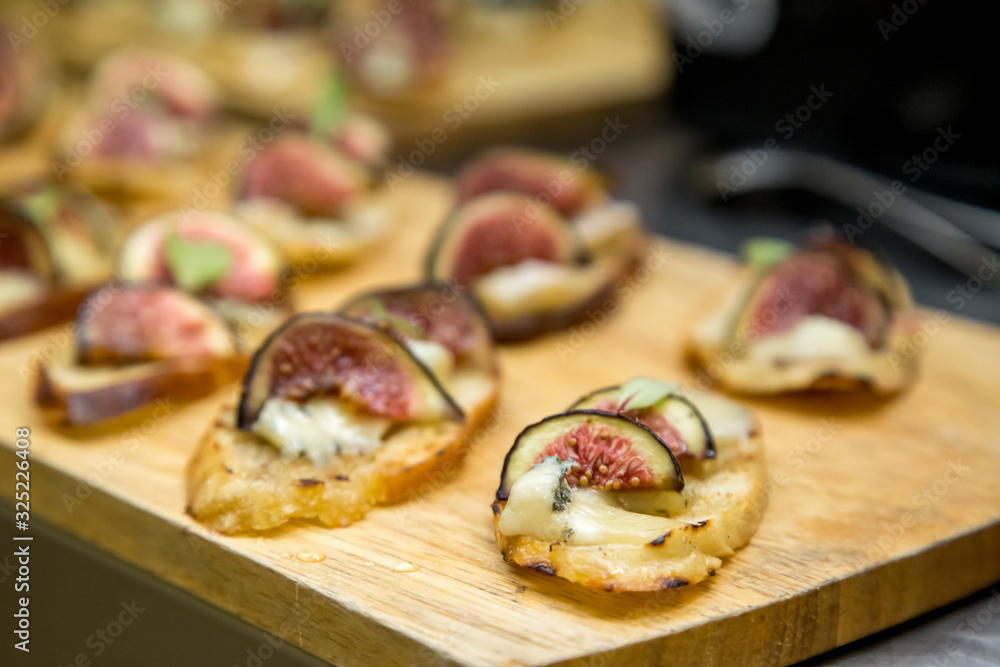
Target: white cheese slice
{"points": [[318, 428], [811, 337], [18, 288], [603, 225], [590, 517], [534, 286]]}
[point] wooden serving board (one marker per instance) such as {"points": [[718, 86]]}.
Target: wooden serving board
{"points": [[535, 65], [578, 57], [879, 509]]}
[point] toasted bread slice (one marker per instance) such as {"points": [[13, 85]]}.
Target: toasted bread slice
{"points": [[238, 483], [718, 511], [325, 243], [50, 306], [75, 395], [748, 367]]}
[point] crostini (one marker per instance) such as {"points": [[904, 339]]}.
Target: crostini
{"points": [[526, 263], [824, 316], [55, 246], [607, 226], [651, 493], [146, 128], [340, 413], [316, 203], [134, 345], [232, 267]]}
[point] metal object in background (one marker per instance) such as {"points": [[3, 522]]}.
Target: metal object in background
{"points": [[913, 215]]}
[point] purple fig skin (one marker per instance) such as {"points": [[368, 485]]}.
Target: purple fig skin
{"points": [[503, 491], [449, 301], [710, 450], [253, 395]]}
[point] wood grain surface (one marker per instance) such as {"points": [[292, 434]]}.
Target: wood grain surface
{"points": [[880, 509]]}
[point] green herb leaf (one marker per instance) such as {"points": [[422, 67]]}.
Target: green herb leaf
{"points": [[332, 106], [197, 264], [764, 251], [42, 205], [643, 392], [400, 325]]}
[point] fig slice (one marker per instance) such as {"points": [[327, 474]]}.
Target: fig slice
{"points": [[674, 418], [307, 174], [315, 354], [820, 279], [611, 452], [22, 245], [549, 180], [433, 311], [500, 230], [123, 324], [172, 122], [206, 253]]}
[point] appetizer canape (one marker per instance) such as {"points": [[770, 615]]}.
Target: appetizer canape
{"points": [[54, 248], [134, 345], [259, 52], [339, 414], [146, 128], [317, 204], [411, 49], [264, 52], [213, 256], [26, 84], [525, 262], [640, 487], [823, 316], [575, 190]]}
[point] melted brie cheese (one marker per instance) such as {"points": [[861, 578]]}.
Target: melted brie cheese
{"points": [[318, 428], [436, 357], [602, 225], [812, 336], [18, 288], [534, 286], [590, 517]]}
